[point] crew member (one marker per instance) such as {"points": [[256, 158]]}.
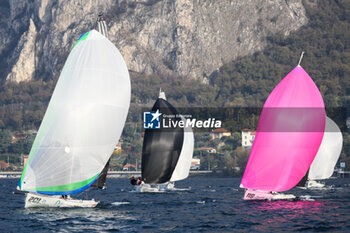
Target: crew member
{"points": [[134, 181]]}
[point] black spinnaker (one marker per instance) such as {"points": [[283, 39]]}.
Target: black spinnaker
{"points": [[161, 147]]}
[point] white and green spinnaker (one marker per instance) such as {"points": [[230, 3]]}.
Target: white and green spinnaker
{"points": [[83, 122]]}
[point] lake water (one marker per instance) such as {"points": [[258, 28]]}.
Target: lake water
{"points": [[211, 204]]}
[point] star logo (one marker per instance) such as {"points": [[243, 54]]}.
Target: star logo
{"points": [[151, 120], [156, 115]]}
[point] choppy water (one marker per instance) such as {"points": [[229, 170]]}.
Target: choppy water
{"points": [[212, 204]]}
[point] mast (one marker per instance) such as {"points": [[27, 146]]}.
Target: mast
{"points": [[301, 57], [161, 94], [101, 26]]}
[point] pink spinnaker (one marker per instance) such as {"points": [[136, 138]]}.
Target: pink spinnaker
{"points": [[289, 133]]}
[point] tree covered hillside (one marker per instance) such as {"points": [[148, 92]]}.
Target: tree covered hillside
{"points": [[245, 82], [326, 42]]}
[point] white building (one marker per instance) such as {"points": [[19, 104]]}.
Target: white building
{"points": [[219, 133], [248, 137]]}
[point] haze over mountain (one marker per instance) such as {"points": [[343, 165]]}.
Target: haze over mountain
{"points": [[168, 38]]}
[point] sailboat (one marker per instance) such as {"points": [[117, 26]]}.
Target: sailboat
{"points": [[166, 153], [289, 134], [327, 156], [82, 124]]}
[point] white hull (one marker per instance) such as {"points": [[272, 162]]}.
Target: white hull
{"points": [[266, 195], [152, 188], [314, 184], [146, 188], [158, 188], [40, 200], [171, 186]]}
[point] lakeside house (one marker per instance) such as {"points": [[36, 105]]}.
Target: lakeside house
{"points": [[219, 133], [118, 147], [22, 135], [248, 137], [3, 165], [207, 149], [129, 167]]}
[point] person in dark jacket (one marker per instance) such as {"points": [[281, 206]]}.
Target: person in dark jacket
{"points": [[134, 181]]}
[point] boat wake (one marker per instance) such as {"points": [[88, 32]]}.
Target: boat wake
{"points": [[322, 188], [119, 203], [308, 198], [149, 191], [318, 188], [209, 190], [200, 202], [180, 189]]}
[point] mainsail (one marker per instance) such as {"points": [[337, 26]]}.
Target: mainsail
{"points": [[328, 154], [161, 147], [289, 133], [303, 180], [83, 122], [183, 166]]}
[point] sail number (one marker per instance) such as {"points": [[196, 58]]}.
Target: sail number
{"points": [[250, 195], [34, 199]]}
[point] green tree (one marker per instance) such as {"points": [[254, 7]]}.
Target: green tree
{"points": [[5, 140]]}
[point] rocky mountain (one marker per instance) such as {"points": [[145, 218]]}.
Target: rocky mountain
{"points": [[189, 38]]}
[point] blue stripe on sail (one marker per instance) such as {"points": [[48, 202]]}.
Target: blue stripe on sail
{"points": [[83, 35], [19, 184]]}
